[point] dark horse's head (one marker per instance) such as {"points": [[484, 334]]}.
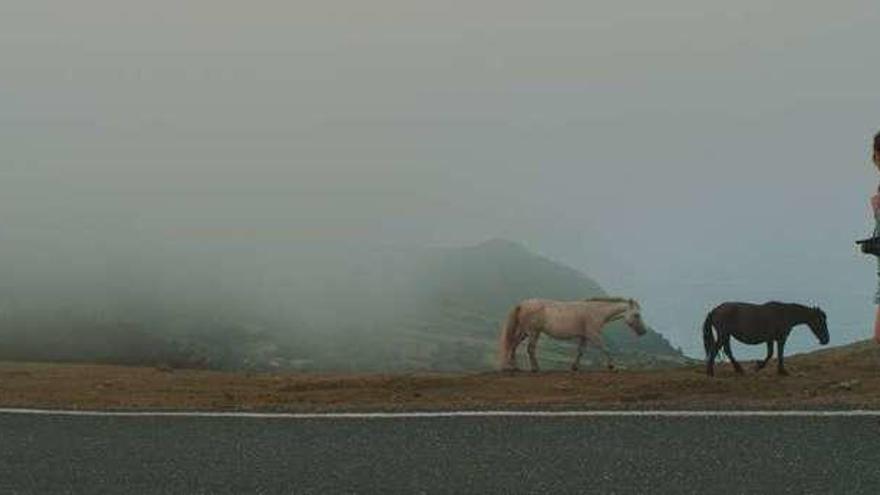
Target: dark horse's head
{"points": [[818, 323]]}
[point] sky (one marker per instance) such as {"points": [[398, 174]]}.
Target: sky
{"points": [[683, 152]]}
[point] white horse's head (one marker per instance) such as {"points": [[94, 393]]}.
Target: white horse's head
{"points": [[633, 318]]}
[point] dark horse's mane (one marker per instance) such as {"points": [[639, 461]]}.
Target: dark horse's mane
{"points": [[793, 306], [780, 303], [787, 305]]}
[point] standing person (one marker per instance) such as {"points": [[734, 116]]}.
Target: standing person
{"points": [[875, 205]]}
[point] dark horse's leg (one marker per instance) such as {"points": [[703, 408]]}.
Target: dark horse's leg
{"points": [[710, 360], [760, 364], [727, 351], [780, 356]]}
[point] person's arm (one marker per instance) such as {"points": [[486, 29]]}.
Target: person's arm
{"points": [[875, 206]]}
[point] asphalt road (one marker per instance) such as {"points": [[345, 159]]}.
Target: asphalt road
{"points": [[50, 454]]}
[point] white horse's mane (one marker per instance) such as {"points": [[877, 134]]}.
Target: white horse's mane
{"points": [[612, 300]]}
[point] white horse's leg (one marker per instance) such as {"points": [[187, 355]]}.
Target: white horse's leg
{"points": [[511, 355], [598, 342], [582, 342], [533, 342]]}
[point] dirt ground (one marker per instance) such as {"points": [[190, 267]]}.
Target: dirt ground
{"points": [[844, 377]]}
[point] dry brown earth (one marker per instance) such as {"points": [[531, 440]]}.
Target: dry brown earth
{"points": [[844, 377]]}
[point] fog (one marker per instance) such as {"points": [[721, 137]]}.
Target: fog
{"points": [[682, 152]]}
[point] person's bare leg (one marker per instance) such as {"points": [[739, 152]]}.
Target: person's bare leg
{"points": [[877, 326]]}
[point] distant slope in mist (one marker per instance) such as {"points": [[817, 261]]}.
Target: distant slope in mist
{"points": [[467, 292], [347, 309], [494, 275], [444, 308]]}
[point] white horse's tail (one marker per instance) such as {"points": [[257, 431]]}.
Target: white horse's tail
{"points": [[508, 338]]}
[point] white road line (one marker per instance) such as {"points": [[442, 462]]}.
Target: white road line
{"points": [[447, 414]]}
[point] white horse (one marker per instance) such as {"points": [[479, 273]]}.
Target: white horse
{"points": [[581, 320]]}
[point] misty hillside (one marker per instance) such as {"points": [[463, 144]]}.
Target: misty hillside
{"points": [[329, 308], [468, 292]]}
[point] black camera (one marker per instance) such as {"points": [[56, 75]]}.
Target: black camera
{"points": [[870, 245]]}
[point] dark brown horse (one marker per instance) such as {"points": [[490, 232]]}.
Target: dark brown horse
{"points": [[754, 324]]}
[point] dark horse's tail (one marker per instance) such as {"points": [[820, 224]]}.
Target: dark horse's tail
{"points": [[708, 336]]}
